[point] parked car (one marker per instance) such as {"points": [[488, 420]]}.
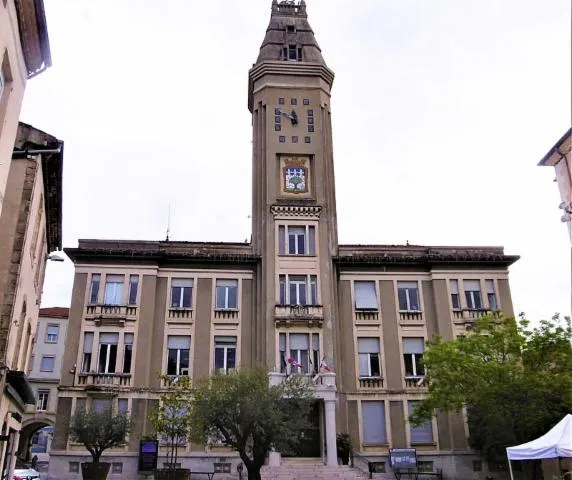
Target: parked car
{"points": [[25, 472]]}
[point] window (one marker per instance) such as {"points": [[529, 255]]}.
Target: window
{"points": [[225, 354], [122, 405], [307, 139], [298, 290], [281, 101], [107, 352], [293, 101], [113, 290], [306, 101], [127, 352], [296, 240], [87, 349], [295, 351], [42, 403], [282, 139], [48, 362], [408, 296], [368, 353], [455, 298], [365, 296], [181, 292], [421, 433], [100, 405], [52, 333], [424, 466], [413, 349], [73, 467], [227, 294], [290, 28], [373, 422], [473, 294], [179, 347], [94, 289], [116, 467], [295, 139], [133, 286], [491, 295]]}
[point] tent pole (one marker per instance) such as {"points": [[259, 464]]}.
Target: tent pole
{"points": [[510, 468]]}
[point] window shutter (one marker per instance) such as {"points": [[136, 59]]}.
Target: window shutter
{"points": [[422, 433], [227, 283], [490, 286], [312, 240], [179, 342], [407, 285], [182, 282], [368, 345], [281, 240], [110, 338], [363, 365], [454, 284], [128, 339], [373, 417], [413, 345], [299, 341], [472, 285], [87, 342], [365, 296]]}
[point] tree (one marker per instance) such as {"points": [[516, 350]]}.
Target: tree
{"points": [[515, 381], [249, 415], [98, 431], [171, 419]]}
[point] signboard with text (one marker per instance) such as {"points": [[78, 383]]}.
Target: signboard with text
{"points": [[148, 455], [403, 458]]}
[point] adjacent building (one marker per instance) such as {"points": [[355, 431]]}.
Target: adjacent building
{"points": [[24, 53], [560, 158], [30, 228], [292, 296], [44, 367]]}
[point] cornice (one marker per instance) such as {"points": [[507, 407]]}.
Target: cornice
{"points": [[289, 211]]}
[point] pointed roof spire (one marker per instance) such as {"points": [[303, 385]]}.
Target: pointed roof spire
{"points": [[289, 36]]}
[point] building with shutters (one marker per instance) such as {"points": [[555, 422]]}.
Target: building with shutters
{"points": [[291, 298]]}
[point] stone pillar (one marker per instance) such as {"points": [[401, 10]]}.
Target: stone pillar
{"points": [[330, 422]]}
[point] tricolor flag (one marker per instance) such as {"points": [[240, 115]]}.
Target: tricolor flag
{"points": [[294, 363]]}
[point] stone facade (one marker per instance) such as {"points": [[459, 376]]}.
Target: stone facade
{"points": [[140, 308]]}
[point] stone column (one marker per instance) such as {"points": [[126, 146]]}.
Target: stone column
{"points": [[330, 422]]}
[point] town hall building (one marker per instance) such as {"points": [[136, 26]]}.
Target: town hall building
{"points": [[292, 296]]}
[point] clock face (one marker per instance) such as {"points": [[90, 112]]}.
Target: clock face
{"points": [[295, 179]]}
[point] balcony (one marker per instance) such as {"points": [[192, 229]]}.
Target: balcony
{"points": [[109, 379], [367, 315], [469, 315], [115, 315], [416, 383], [226, 315], [300, 314], [411, 317], [324, 384], [180, 314], [370, 383]]}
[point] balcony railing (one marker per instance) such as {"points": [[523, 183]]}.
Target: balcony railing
{"points": [[469, 314], [170, 380], [110, 314], [410, 316], [415, 382], [323, 381], [370, 383], [367, 315], [300, 313], [183, 313], [115, 379], [226, 314]]}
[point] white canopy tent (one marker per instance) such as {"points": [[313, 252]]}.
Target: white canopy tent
{"points": [[557, 442]]}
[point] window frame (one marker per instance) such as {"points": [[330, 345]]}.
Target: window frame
{"points": [[494, 304], [455, 296], [418, 370], [408, 299], [45, 403], [44, 357], [107, 355], [127, 353], [311, 289], [226, 293], [375, 293], [94, 288], [181, 302], [133, 290], [312, 356], [472, 295], [120, 293], [308, 243], [48, 335], [225, 347], [419, 430], [178, 367], [370, 356]]}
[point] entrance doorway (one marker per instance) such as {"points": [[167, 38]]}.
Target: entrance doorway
{"points": [[309, 439]]}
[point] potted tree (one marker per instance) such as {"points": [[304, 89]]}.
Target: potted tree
{"points": [[98, 431], [171, 421], [344, 447]]}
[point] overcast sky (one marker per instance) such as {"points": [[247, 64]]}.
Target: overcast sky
{"points": [[441, 111]]}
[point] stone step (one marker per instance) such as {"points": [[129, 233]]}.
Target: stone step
{"points": [[309, 471]]}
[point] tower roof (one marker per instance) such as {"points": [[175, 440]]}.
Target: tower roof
{"points": [[289, 36]]}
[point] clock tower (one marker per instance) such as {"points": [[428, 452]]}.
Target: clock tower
{"points": [[293, 206]]}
